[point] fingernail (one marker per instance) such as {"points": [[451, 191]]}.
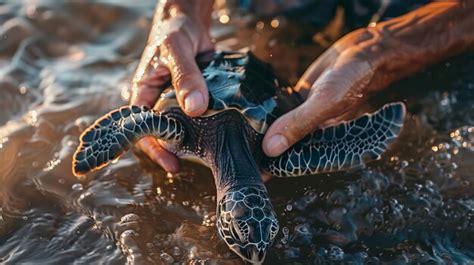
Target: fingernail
{"points": [[193, 102], [171, 168], [168, 166], [277, 144]]}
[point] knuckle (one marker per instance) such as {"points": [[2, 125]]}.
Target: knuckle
{"points": [[173, 36], [179, 79], [155, 149], [169, 43], [186, 80], [301, 125]]}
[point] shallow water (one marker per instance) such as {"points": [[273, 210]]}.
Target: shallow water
{"points": [[63, 65]]}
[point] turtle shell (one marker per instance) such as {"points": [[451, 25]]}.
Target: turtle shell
{"points": [[240, 81]]}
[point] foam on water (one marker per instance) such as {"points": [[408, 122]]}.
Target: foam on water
{"points": [[62, 65]]}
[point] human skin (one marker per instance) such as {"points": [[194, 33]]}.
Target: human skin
{"points": [[366, 61], [358, 65], [183, 29]]}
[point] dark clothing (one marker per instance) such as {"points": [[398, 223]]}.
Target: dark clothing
{"points": [[318, 13]]}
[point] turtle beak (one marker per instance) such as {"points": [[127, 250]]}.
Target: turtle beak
{"points": [[251, 253]]}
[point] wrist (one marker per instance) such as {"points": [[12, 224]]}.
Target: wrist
{"points": [[391, 58]]}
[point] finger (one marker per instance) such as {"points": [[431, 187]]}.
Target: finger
{"points": [[290, 128], [325, 101], [342, 118], [356, 110], [266, 176], [150, 146], [157, 78], [150, 87], [337, 90], [191, 89]]}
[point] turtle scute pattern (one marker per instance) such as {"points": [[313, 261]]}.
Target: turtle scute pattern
{"points": [[343, 146], [242, 82], [115, 133], [246, 219]]}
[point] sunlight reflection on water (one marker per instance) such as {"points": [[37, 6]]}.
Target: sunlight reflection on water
{"points": [[64, 64]]}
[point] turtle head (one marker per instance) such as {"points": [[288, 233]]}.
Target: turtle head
{"points": [[247, 222]]}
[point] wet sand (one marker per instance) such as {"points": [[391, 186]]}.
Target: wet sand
{"points": [[64, 65]]}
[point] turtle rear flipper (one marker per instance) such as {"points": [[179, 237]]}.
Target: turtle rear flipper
{"points": [[117, 131], [346, 145]]}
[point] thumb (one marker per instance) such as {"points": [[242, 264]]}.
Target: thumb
{"points": [[325, 101], [290, 128]]}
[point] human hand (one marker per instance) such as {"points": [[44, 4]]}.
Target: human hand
{"points": [[184, 30], [335, 85], [366, 61]]}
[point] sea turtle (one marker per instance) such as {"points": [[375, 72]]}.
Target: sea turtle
{"points": [[245, 98]]}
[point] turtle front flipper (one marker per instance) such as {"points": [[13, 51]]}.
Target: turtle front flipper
{"points": [[346, 145], [117, 131]]}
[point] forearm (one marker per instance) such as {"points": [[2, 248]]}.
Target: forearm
{"points": [[171, 17], [170, 14], [409, 43]]}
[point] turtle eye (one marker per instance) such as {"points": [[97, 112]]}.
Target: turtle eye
{"points": [[239, 230]]}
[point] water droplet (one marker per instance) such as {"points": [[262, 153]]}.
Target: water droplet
{"points": [[302, 236], [224, 19], [336, 254], [275, 23], [125, 93], [3, 141], [84, 195], [167, 258], [131, 217], [463, 137], [77, 187], [404, 164], [286, 232], [61, 181], [177, 251], [50, 165], [23, 90], [32, 118], [192, 252]]}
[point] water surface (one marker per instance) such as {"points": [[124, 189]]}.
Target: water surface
{"points": [[62, 65]]}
